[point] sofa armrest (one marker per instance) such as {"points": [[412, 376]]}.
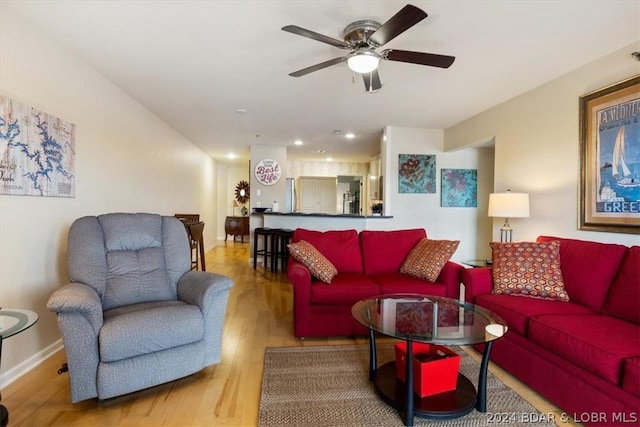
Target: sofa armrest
{"points": [[79, 313], [201, 288], [477, 281], [301, 279], [210, 292], [80, 299], [450, 277]]}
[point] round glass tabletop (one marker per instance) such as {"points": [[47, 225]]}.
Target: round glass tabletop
{"points": [[15, 320], [478, 262], [430, 319]]}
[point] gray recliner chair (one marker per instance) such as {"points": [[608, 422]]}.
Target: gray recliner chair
{"points": [[134, 314]]}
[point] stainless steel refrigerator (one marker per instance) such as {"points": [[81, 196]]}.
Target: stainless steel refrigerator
{"points": [[290, 196]]}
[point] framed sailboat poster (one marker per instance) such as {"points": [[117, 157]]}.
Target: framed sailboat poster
{"points": [[610, 158]]}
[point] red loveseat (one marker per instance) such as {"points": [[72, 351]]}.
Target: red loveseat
{"points": [[368, 264], [582, 355]]}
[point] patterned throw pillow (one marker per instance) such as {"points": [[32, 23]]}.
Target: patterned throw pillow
{"points": [[528, 269], [428, 257], [319, 266]]}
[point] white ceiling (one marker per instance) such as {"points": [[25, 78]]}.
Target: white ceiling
{"points": [[194, 63]]}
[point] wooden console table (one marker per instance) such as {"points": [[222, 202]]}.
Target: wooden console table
{"points": [[236, 226]]}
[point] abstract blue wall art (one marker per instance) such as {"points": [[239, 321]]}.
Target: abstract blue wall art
{"points": [[37, 152], [416, 173], [459, 188]]}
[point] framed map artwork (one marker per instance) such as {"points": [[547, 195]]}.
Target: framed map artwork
{"points": [[459, 188], [37, 152]]}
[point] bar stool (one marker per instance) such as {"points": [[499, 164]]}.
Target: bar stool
{"points": [[267, 240], [281, 238]]}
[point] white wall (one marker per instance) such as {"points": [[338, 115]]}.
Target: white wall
{"points": [[127, 160], [268, 193], [228, 177], [423, 210], [298, 168], [537, 147]]}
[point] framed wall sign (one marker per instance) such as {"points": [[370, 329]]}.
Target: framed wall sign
{"points": [[610, 158], [267, 172]]}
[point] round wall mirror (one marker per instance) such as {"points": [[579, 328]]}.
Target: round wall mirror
{"points": [[242, 192]]}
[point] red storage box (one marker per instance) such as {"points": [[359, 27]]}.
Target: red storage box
{"points": [[435, 368]]}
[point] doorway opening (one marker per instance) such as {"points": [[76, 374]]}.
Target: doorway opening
{"points": [[349, 200]]}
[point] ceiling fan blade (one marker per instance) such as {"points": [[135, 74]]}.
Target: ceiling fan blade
{"points": [[294, 29], [420, 58], [317, 67], [371, 81], [406, 18]]}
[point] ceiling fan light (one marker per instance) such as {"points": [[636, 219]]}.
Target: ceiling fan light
{"points": [[363, 62]]}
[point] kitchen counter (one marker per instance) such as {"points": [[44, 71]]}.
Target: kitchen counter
{"points": [[325, 215], [321, 222]]}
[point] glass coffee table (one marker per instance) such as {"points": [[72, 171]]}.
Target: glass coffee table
{"points": [[433, 320], [12, 322]]}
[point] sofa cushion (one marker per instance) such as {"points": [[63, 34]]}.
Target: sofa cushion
{"points": [[385, 251], [340, 247], [588, 269], [137, 276], [517, 311], [631, 375], [131, 232], [147, 328], [319, 266], [391, 283], [345, 289], [528, 269], [596, 342], [428, 257], [624, 296]]}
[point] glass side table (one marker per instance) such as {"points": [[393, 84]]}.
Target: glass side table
{"points": [[433, 320], [476, 263], [12, 322]]}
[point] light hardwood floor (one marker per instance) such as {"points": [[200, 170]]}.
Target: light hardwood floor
{"points": [[259, 315]]}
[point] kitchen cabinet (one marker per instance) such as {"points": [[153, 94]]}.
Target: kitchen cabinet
{"points": [[318, 194]]}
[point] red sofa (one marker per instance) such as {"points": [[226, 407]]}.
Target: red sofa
{"points": [[368, 264], [583, 355]]}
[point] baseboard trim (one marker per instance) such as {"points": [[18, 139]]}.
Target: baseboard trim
{"points": [[22, 368]]}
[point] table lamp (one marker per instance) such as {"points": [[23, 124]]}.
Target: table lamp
{"points": [[508, 205]]}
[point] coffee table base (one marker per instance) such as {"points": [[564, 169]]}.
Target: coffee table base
{"points": [[442, 406], [4, 416]]}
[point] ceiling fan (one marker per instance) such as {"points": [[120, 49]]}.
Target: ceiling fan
{"points": [[362, 38]]}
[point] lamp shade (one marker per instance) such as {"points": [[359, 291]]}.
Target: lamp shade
{"points": [[509, 205], [363, 61]]}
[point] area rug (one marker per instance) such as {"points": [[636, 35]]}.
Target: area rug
{"points": [[329, 386]]}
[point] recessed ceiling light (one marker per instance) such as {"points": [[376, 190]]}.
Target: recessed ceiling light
{"points": [[349, 135], [329, 159], [337, 132], [297, 142], [240, 110], [231, 156], [320, 151]]}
